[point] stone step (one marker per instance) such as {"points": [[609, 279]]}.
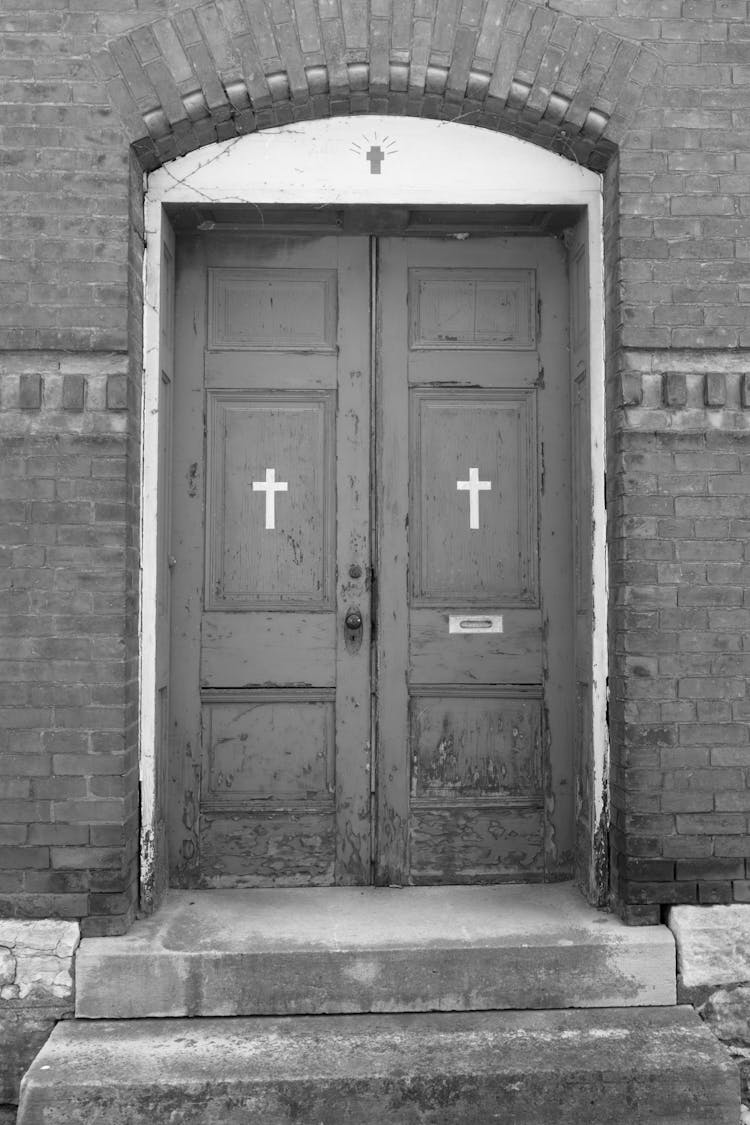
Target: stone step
{"points": [[626, 1066], [358, 950]]}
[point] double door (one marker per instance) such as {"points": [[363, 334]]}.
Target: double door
{"points": [[371, 656]]}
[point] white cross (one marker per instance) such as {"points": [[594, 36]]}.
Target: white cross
{"points": [[473, 486], [270, 486]]}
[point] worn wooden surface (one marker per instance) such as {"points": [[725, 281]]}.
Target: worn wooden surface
{"points": [[264, 648], [452, 430], [392, 466], [247, 432], [154, 843], [589, 868], [473, 745], [272, 748], [484, 843], [271, 718], [272, 309], [278, 846], [478, 388], [513, 656], [268, 746], [353, 555], [472, 308]]}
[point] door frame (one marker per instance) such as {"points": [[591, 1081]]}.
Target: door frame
{"points": [[484, 169]]}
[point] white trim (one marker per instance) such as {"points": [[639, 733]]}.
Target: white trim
{"points": [[427, 163], [599, 569], [152, 267]]}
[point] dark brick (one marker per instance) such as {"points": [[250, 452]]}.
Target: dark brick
{"points": [[86, 859], [672, 893], [648, 870], [56, 882], [716, 824], [30, 392], [107, 925], [710, 869], [639, 915], [675, 390], [117, 392], [692, 847], [712, 894], [58, 834], [74, 391]]}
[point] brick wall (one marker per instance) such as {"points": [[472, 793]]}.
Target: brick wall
{"points": [[655, 92], [678, 483], [68, 760], [679, 508], [68, 414]]}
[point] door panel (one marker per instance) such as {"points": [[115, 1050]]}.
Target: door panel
{"points": [[261, 647], [513, 656], [498, 558], [278, 309], [271, 719], [499, 751], [460, 308], [245, 568], [474, 654]]}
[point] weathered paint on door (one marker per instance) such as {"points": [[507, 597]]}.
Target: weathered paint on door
{"points": [[271, 717], [471, 678], [474, 411]]}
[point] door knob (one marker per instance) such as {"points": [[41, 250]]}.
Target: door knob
{"points": [[353, 630], [353, 620]]}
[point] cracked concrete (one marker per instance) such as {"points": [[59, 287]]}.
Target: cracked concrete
{"points": [[36, 961], [36, 990], [713, 960], [342, 949]]}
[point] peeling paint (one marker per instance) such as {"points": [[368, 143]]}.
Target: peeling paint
{"points": [[148, 871], [175, 183], [601, 849]]}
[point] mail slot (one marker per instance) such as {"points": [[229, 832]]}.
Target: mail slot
{"points": [[481, 623]]}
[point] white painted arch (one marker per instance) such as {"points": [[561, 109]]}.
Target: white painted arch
{"points": [[425, 163]]}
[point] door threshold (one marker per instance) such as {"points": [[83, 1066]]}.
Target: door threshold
{"points": [[369, 949]]}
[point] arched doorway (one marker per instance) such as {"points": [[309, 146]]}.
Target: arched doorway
{"points": [[399, 679]]}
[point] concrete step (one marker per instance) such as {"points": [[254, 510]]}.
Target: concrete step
{"points": [[358, 950], [657, 1066]]}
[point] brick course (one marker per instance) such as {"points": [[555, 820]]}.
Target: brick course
{"points": [[679, 666], [654, 95], [65, 766]]}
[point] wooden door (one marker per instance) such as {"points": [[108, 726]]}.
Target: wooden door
{"points": [[270, 729], [474, 682], [475, 669]]}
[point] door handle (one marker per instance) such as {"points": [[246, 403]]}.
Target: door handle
{"points": [[353, 630], [353, 620]]}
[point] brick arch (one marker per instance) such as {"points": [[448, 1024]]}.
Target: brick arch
{"points": [[216, 70]]}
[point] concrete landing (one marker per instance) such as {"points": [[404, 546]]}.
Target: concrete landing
{"points": [[339, 950], [656, 1066]]}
